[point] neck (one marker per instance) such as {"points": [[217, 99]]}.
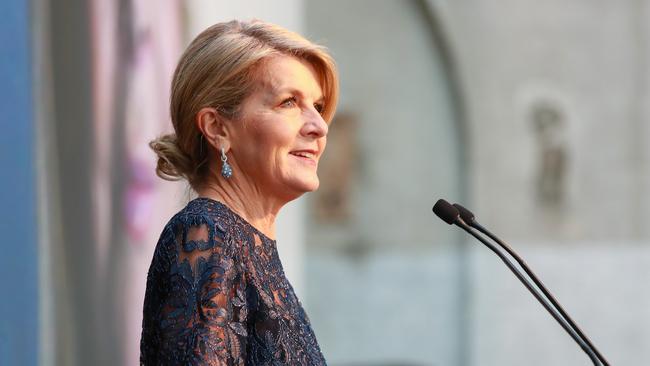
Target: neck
{"points": [[251, 204]]}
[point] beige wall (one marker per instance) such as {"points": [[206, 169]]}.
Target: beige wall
{"points": [[590, 59]]}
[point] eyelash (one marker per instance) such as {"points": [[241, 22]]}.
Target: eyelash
{"points": [[286, 101], [320, 108]]}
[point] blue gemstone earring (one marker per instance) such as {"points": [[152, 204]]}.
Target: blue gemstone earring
{"points": [[226, 170]]}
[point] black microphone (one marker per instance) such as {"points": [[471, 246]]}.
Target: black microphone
{"points": [[469, 218], [451, 215]]}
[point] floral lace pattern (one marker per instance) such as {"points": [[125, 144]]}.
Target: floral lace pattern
{"points": [[217, 295]]}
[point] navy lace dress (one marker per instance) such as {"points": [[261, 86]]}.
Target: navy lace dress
{"points": [[217, 295]]}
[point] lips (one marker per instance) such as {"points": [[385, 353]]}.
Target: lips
{"points": [[305, 154]]}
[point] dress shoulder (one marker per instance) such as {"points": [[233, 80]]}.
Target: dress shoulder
{"points": [[195, 309]]}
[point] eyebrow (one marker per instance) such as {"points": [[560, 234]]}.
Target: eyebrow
{"points": [[292, 90]]}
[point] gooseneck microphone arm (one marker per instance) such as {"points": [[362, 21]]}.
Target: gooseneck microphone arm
{"points": [[450, 215], [468, 217]]}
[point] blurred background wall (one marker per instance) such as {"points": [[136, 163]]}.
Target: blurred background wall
{"points": [[533, 114]]}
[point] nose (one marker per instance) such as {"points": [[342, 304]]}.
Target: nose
{"points": [[315, 126]]}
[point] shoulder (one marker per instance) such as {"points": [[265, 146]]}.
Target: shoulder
{"points": [[198, 238], [203, 224]]}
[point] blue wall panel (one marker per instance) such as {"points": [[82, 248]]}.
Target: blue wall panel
{"points": [[18, 225]]}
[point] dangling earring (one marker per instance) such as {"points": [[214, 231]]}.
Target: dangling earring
{"points": [[226, 170]]}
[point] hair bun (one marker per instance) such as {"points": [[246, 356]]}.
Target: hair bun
{"points": [[173, 164]]}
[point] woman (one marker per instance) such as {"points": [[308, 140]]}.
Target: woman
{"points": [[250, 105]]}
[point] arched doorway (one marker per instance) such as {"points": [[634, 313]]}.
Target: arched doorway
{"points": [[385, 283]]}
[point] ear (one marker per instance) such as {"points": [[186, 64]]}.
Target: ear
{"points": [[214, 128]]}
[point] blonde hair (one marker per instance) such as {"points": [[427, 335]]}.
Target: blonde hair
{"points": [[219, 69]]}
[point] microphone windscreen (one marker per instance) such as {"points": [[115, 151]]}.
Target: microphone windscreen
{"points": [[445, 211], [465, 214]]}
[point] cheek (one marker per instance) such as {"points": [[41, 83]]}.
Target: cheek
{"points": [[280, 138], [269, 139], [273, 146]]}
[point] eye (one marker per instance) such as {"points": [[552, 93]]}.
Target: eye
{"points": [[289, 102], [320, 108]]}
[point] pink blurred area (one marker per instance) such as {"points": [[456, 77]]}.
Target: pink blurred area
{"points": [[136, 44]]}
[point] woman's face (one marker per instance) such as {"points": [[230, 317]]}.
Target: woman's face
{"points": [[281, 134]]}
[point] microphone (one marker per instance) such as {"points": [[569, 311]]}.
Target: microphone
{"points": [[469, 218], [451, 215]]}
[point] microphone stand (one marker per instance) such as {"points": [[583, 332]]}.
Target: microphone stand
{"points": [[473, 223], [460, 223]]}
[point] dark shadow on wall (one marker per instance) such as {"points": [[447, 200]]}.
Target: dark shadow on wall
{"points": [[440, 41], [86, 331], [71, 94]]}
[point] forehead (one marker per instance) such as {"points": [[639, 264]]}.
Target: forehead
{"points": [[286, 74]]}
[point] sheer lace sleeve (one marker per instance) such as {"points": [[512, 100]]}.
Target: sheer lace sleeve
{"points": [[195, 309]]}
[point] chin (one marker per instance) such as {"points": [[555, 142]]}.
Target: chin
{"points": [[309, 186], [313, 186], [305, 185]]}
